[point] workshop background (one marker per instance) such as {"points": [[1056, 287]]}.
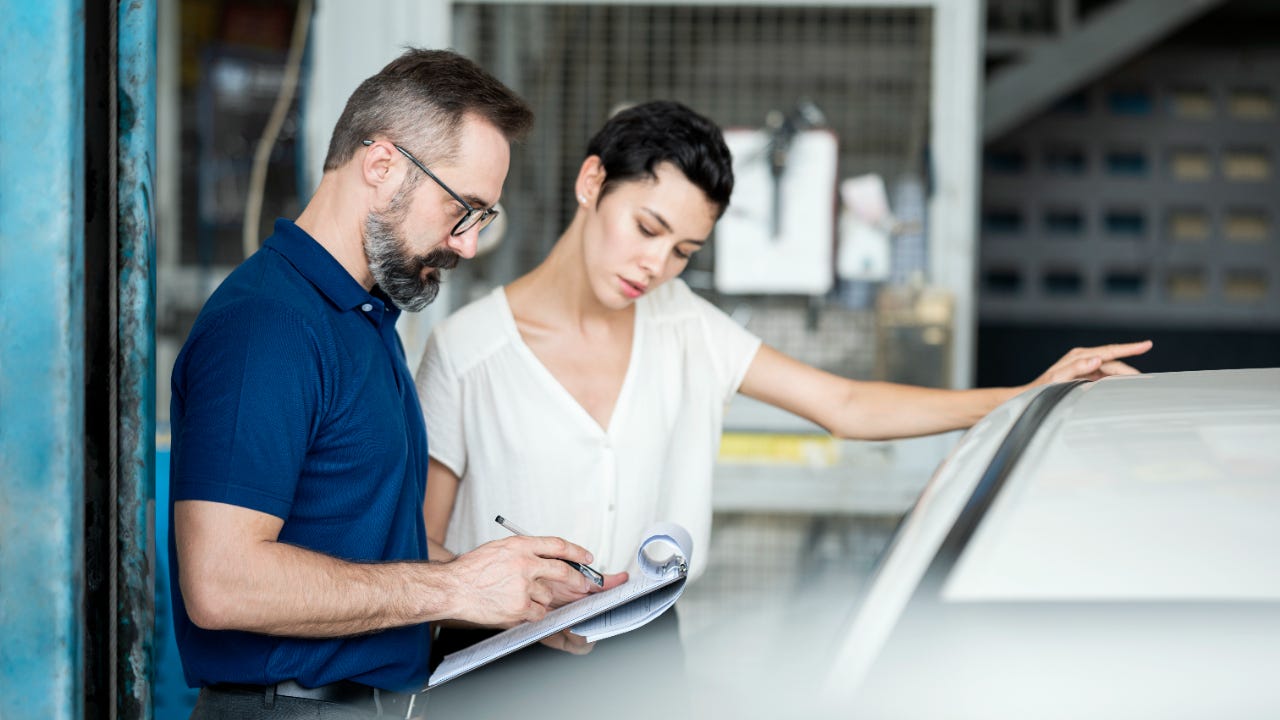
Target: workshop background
{"points": [[996, 182]]}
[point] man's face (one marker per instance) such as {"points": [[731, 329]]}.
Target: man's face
{"points": [[408, 242]]}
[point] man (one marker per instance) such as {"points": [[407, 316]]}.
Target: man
{"points": [[299, 453]]}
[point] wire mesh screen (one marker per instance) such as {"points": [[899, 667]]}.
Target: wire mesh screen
{"points": [[868, 70]]}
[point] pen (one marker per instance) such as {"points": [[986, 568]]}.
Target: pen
{"points": [[591, 573]]}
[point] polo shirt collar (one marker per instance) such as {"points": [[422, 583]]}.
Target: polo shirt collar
{"points": [[327, 274]]}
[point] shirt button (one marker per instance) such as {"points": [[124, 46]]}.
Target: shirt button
{"points": [[610, 507], [367, 307]]}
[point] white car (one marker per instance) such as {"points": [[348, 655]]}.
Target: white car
{"points": [[1089, 550]]}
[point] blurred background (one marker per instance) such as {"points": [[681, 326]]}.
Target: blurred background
{"points": [[995, 183]]}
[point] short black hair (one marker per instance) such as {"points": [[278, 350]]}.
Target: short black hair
{"points": [[420, 100], [634, 141]]}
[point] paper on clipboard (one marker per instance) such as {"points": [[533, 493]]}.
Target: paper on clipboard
{"points": [[663, 565]]}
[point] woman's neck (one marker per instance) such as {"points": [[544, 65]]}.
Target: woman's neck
{"points": [[557, 293]]}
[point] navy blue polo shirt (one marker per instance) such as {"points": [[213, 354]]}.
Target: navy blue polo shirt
{"points": [[292, 397]]}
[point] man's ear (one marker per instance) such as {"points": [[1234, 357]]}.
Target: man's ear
{"points": [[376, 166], [590, 179]]}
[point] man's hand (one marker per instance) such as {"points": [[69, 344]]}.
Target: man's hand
{"points": [[514, 580], [1093, 363], [564, 594], [566, 640]]}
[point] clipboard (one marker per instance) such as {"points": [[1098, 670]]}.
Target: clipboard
{"points": [[663, 567]]}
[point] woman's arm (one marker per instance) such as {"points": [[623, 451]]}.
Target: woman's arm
{"points": [[882, 411], [437, 507]]}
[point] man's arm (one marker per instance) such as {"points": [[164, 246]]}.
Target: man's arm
{"points": [[234, 574]]}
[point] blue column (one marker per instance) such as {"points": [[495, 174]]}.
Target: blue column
{"points": [[136, 283], [41, 358]]}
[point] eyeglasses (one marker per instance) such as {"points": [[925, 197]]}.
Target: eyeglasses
{"points": [[474, 217]]}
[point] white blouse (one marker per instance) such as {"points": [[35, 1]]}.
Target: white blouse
{"points": [[523, 448]]}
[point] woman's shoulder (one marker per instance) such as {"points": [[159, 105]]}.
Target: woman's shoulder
{"points": [[673, 300], [474, 331], [671, 296]]}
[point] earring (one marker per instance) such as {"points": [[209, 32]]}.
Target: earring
{"points": [[582, 199]]}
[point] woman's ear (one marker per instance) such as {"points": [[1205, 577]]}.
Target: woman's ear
{"points": [[590, 180]]}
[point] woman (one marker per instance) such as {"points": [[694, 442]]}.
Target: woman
{"points": [[585, 399]]}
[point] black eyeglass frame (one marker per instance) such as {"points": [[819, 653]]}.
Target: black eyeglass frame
{"points": [[473, 217]]}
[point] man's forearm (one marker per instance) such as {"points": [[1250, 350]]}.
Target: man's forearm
{"points": [[281, 589], [235, 575]]}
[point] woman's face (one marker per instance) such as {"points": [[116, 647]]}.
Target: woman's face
{"points": [[642, 233]]}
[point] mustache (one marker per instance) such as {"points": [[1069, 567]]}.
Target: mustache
{"points": [[440, 259]]}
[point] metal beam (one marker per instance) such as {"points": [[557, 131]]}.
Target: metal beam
{"points": [[41, 359], [954, 144], [1105, 39], [135, 328]]}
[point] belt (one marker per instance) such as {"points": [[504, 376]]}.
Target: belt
{"points": [[382, 703]]}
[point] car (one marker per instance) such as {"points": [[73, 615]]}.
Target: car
{"points": [[1104, 549]]}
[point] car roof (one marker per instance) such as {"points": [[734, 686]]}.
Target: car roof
{"points": [[1152, 487]]}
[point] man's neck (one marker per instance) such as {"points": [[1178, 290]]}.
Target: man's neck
{"points": [[337, 223]]}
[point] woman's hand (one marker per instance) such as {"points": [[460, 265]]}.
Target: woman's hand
{"points": [[1093, 363], [568, 642]]}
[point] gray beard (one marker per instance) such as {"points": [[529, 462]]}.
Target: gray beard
{"points": [[394, 268]]}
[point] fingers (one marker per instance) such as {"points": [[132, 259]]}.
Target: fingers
{"points": [[535, 612], [614, 580], [1117, 350], [1109, 352], [575, 644], [1115, 367], [568, 642], [1086, 365], [540, 594], [1093, 363], [554, 547]]}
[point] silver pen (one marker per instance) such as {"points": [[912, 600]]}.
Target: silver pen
{"points": [[591, 573]]}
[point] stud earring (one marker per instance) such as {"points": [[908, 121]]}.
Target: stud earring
{"points": [[582, 199]]}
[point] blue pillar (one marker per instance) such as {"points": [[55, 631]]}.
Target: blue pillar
{"points": [[136, 322], [41, 358]]}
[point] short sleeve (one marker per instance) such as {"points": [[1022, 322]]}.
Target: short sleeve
{"points": [[732, 347], [247, 395], [440, 393]]}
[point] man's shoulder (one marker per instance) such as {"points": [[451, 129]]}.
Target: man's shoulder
{"points": [[268, 292], [474, 332]]}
